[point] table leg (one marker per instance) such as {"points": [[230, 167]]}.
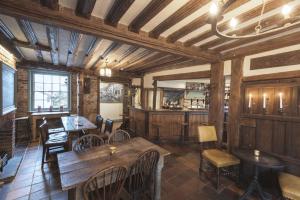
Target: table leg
{"points": [[255, 186], [157, 186]]}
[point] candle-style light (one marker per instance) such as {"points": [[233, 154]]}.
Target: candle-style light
{"points": [[264, 101], [250, 101], [280, 100]]}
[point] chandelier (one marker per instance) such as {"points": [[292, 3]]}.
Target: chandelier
{"points": [[106, 71], [218, 8]]}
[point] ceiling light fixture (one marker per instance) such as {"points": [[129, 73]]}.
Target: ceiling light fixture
{"points": [[106, 71], [218, 9]]}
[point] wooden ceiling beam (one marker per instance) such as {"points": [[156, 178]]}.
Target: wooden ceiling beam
{"points": [[129, 52], [271, 5], [135, 59], [274, 43], [151, 59], [85, 8], [30, 46], [163, 61], [116, 12], [30, 36], [179, 15], [75, 38], [52, 35], [110, 50], [198, 22], [95, 26], [90, 51], [266, 23], [150, 11], [183, 76], [51, 4]]}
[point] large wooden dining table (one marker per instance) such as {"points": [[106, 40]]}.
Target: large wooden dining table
{"points": [[76, 167]]}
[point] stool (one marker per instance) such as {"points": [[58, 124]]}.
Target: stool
{"points": [[25, 121], [182, 133], [157, 127]]}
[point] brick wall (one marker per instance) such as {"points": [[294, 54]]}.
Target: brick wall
{"points": [[90, 101], [22, 93], [7, 133]]}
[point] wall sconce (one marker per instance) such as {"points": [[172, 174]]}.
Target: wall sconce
{"points": [[250, 102]]}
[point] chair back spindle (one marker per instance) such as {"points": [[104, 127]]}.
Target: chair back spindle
{"points": [[87, 141], [105, 185], [118, 137]]}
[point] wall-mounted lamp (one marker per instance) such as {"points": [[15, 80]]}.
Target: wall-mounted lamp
{"points": [[280, 102], [250, 101], [265, 98]]}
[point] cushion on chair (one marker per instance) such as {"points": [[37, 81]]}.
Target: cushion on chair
{"points": [[207, 134], [290, 186], [220, 158], [55, 130]]}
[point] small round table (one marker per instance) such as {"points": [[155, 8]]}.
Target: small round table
{"points": [[263, 160]]}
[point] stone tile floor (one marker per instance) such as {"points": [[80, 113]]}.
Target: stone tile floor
{"points": [[180, 180]]}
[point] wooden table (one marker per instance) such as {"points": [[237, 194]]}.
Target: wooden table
{"points": [[263, 160], [76, 168], [77, 123]]}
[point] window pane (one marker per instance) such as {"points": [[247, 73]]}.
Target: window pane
{"points": [[64, 99], [55, 99], [47, 87], [38, 87], [38, 95], [47, 79], [55, 79], [38, 103], [64, 80], [55, 87], [39, 78], [64, 88]]}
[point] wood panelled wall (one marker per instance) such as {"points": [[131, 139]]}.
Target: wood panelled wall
{"points": [[271, 130]]}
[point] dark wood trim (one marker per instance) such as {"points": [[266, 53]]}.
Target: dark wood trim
{"points": [[177, 65], [118, 9], [52, 35], [85, 8], [198, 38], [142, 93], [216, 102], [184, 76], [154, 94], [150, 11], [179, 15], [51, 4], [95, 26], [90, 51], [273, 76], [276, 60], [235, 102], [151, 60], [129, 52]]}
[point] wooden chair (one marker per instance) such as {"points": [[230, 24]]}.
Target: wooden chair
{"points": [[108, 126], [87, 141], [54, 130], [216, 158], [118, 137], [141, 175], [52, 142], [99, 122], [105, 185], [290, 186]]}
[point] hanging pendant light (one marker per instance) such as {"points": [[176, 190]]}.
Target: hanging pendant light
{"points": [[106, 71]]}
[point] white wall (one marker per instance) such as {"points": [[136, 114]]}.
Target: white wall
{"points": [[111, 110], [248, 72]]}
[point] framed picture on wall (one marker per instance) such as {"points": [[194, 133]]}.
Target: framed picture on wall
{"points": [[111, 92], [7, 89]]}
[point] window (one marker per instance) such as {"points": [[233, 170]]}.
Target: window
{"points": [[50, 89]]}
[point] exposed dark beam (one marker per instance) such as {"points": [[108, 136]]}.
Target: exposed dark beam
{"points": [[85, 8], [179, 15], [198, 38], [135, 59], [74, 42], [90, 51], [151, 59], [111, 49], [30, 46], [52, 35], [95, 26], [150, 11], [52, 4], [30, 36], [126, 54], [117, 11], [161, 63]]}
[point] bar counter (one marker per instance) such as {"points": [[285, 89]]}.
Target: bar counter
{"points": [[167, 125]]}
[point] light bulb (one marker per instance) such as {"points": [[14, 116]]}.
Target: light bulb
{"points": [[213, 10], [108, 72], [233, 23], [286, 10]]}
